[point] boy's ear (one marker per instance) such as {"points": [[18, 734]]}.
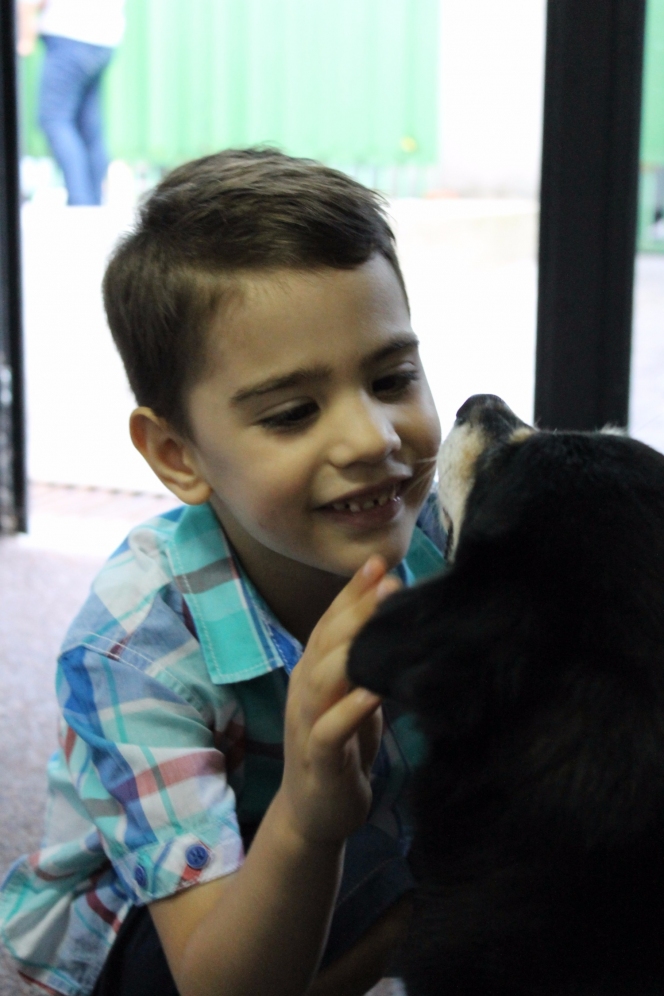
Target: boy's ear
{"points": [[170, 456]]}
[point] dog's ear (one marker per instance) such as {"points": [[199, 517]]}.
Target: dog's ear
{"points": [[398, 641]]}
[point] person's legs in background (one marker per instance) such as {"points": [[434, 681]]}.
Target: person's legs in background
{"points": [[70, 114], [91, 128]]}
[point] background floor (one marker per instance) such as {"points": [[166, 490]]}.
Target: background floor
{"points": [[41, 589], [40, 592]]}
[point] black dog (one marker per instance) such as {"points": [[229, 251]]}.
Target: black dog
{"points": [[536, 667]]}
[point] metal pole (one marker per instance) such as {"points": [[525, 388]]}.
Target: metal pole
{"points": [[592, 117], [13, 485]]}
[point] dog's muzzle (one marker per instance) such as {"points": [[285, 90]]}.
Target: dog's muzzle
{"points": [[483, 421]]}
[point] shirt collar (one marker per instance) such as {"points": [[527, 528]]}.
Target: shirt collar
{"points": [[239, 635]]}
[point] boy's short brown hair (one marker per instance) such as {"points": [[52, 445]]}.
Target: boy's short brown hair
{"points": [[250, 209]]}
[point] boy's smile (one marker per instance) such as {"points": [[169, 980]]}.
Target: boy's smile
{"points": [[315, 427]]}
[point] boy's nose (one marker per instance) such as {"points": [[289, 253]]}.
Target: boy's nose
{"points": [[362, 433]]}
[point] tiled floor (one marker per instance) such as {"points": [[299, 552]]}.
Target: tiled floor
{"points": [[40, 591], [84, 503], [44, 579], [88, 522]]}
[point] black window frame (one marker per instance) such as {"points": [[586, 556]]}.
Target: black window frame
{"points": [[588, 204], [13, 478]]}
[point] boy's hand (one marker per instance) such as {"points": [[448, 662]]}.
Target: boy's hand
{"points": [[280, 901], [332, 731]]}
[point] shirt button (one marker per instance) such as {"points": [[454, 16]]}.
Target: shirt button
{"points": [[197, 856], [140, 876]]}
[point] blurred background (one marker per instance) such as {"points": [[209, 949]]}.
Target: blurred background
{"points": [[437, 103]]}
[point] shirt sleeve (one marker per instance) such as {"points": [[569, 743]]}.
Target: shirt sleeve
{"points": [[140, 721]]}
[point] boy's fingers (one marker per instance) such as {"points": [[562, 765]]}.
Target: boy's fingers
{"points": [[321, 675], [370, 572], [354, 606], [363, 581], [388, 586], [326, 670], [322, 672], [336, 726], [348, 624], [325, 684]]}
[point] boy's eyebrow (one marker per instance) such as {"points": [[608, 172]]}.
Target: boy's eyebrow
{"points": [[405, 340]]}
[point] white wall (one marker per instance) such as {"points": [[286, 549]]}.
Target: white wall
{"points": [[491, 90], [77, 397], [469, 266]]}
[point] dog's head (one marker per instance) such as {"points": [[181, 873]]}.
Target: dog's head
{"points": [[548, 625], [484, 424]]}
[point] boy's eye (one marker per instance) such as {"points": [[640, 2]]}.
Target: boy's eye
{"points": [[395, 383], [291, 418]]}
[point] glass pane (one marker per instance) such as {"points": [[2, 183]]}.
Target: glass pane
{"points": [[647, 387], [437, 103], [470, 257]]}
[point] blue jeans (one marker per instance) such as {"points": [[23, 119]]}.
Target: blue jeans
{"points": [[70, 114]]}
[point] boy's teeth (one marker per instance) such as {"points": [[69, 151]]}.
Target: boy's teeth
{"points": [[356, 506]]}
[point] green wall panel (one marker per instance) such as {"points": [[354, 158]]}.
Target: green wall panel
{"points": [[352, 82], [652, 135], [33, 142], [652, 130]]}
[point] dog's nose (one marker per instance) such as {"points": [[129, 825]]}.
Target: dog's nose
{"points": [[491, 414], [472, 408]]}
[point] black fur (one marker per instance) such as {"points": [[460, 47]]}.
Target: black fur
{"points": [[536, 667]]}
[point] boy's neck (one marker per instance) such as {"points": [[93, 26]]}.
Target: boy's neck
{"points": [[297, 593]]}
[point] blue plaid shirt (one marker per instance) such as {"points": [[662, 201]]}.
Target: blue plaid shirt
{"points": [[172, 683]]}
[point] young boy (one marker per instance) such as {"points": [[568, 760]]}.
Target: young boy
{"points": [[242, 800]]}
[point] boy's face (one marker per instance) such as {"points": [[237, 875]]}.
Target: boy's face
{"points": [[315, 427]]}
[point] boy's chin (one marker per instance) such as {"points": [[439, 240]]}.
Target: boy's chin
{"points": [[392, 551]]}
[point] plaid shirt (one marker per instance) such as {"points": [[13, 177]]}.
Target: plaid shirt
{"points": [[172, 683]]}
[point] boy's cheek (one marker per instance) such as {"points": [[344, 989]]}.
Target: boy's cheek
{"points": [[429, 415], [433, 423]]}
